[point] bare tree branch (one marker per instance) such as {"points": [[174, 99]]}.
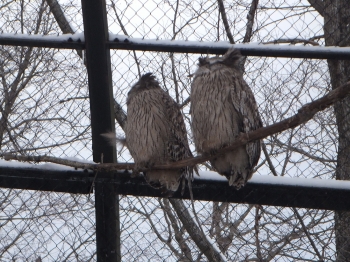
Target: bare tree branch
{"points": [[269, 162], [61, 20], [176, 84], [6, 4], [256, 228], [249, 28], [119, 114], [224, 20], [184, 103], [194, 231], [178, 232], [307, 234], [126, 33], [302, 152], [293, 41], [305, 113], [250, 22]]}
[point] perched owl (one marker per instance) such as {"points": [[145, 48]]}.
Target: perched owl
{"points": [[156, 134], [222, 107]]}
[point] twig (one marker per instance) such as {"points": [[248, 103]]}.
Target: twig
{"points": [[307, 234], [305, 113], [269, 162], [303, 152], [316, 37], [55, 160], [174, 23], [256, 228], [293, 41], [126, 33], [184, 103], [174, 78], [73, 98]]}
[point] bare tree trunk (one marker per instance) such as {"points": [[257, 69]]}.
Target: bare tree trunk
{"points": [[337, 32]]}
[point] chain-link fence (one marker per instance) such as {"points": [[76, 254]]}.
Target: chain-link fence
{"points": [[45, 110]]}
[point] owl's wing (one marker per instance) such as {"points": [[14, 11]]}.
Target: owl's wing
{"points": [[244, 102], [178, 147], [178, 129]]}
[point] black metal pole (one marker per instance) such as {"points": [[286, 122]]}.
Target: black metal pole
{"points": [[180, 46], [98, 63]]}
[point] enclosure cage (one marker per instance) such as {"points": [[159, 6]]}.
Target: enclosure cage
{"points": [[66, 67]]}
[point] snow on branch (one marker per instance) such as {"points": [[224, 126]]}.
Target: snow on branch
{"points": [[305, 113]]}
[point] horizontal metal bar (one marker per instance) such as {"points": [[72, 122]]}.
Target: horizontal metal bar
{"points": [[122, 42], [252, 193], [66, 41], [78, 182], [271, 50], [255, 192]]}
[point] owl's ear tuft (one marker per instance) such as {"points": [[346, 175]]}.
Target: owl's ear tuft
{"points": [[232, 57], [147, 78], [147, 81], [202, 61]]}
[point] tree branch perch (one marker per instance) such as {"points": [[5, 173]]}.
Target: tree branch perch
{"points": [[305, 113]]}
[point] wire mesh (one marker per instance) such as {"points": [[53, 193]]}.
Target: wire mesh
{"points": [[45, 110]]}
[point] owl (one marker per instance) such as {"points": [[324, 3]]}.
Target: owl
{"points": [[155, 133], [222, 107]]}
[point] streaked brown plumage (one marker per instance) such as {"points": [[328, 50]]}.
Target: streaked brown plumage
{"points": [[156, 133], [222, 106]]}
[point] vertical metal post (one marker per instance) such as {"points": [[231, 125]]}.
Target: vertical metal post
{"points": [[98, 63]]}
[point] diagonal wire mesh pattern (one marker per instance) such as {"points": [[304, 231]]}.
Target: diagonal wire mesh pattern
{"points": [[45, 111]]}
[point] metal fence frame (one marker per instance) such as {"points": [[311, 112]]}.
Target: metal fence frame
{"points": [[108, 185]]}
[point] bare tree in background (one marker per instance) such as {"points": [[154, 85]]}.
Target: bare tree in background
{"points": [[37, 115], [231, 225], [336, 16]]}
